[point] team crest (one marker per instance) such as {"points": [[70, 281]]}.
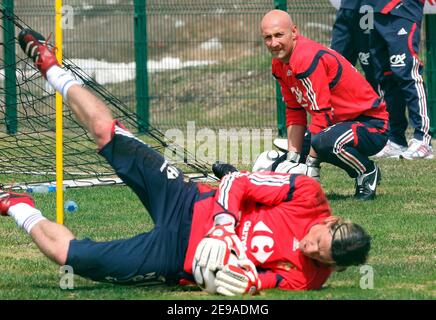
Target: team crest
{"points": [[262, 245], [364, 58], [298, 94], [398, 60], [172, 172]]}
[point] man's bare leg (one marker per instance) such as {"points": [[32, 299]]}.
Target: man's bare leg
{"points": [[53, 240], [91, 113]]}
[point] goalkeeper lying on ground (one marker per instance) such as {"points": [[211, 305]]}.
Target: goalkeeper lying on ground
{"points": [[279, 225]]}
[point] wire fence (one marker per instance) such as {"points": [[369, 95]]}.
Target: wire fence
{"points": [[206, 59]]}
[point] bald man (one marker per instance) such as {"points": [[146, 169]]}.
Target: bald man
{"points": [[348, 120]]}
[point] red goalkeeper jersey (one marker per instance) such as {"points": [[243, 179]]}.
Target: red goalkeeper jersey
{"points": [[274, 212], [320, 81]]}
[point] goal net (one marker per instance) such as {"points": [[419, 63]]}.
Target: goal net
{"points": [[27, 124]]}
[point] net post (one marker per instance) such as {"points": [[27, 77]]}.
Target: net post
{"points": [[430, 38], [142, 94], [59, 130], [10, 67], [281, 107]]}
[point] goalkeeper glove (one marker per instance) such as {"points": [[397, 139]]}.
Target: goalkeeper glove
{"points": [[214, 250], [236, 280], [311, 168], [290, 164]]}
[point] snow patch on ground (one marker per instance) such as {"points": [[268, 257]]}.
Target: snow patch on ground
{"points": [[112, 72], [211, 44], [115, 72]]}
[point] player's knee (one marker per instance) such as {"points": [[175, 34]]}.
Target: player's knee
{"points": [[60, 256], [321, 144], [102, 132]]}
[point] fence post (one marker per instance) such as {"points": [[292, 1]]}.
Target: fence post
{"points": [[142, 97], [430, 38], [10, 64], [281, 107]]}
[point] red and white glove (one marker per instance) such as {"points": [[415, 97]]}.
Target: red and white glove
{"points": [[237, 280], [214, 250]]}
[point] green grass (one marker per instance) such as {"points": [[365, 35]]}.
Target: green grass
{"points": [[401, 221]]}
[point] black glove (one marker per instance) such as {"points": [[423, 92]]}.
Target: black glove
{"points": [[220, 169]]}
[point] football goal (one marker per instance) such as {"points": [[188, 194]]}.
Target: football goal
{"points": [[28, 123]]}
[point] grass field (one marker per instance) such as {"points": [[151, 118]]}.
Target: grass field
{"points": [[401, 221]]}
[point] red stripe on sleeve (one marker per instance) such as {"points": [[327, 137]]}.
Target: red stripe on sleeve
{"points": [[390, 6]]}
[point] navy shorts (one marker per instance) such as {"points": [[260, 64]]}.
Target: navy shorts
{"points": [[346, 144], [153, 257], [349, 144]]}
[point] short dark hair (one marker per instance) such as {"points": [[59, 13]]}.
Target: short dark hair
{"points": [[350, 244]]}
